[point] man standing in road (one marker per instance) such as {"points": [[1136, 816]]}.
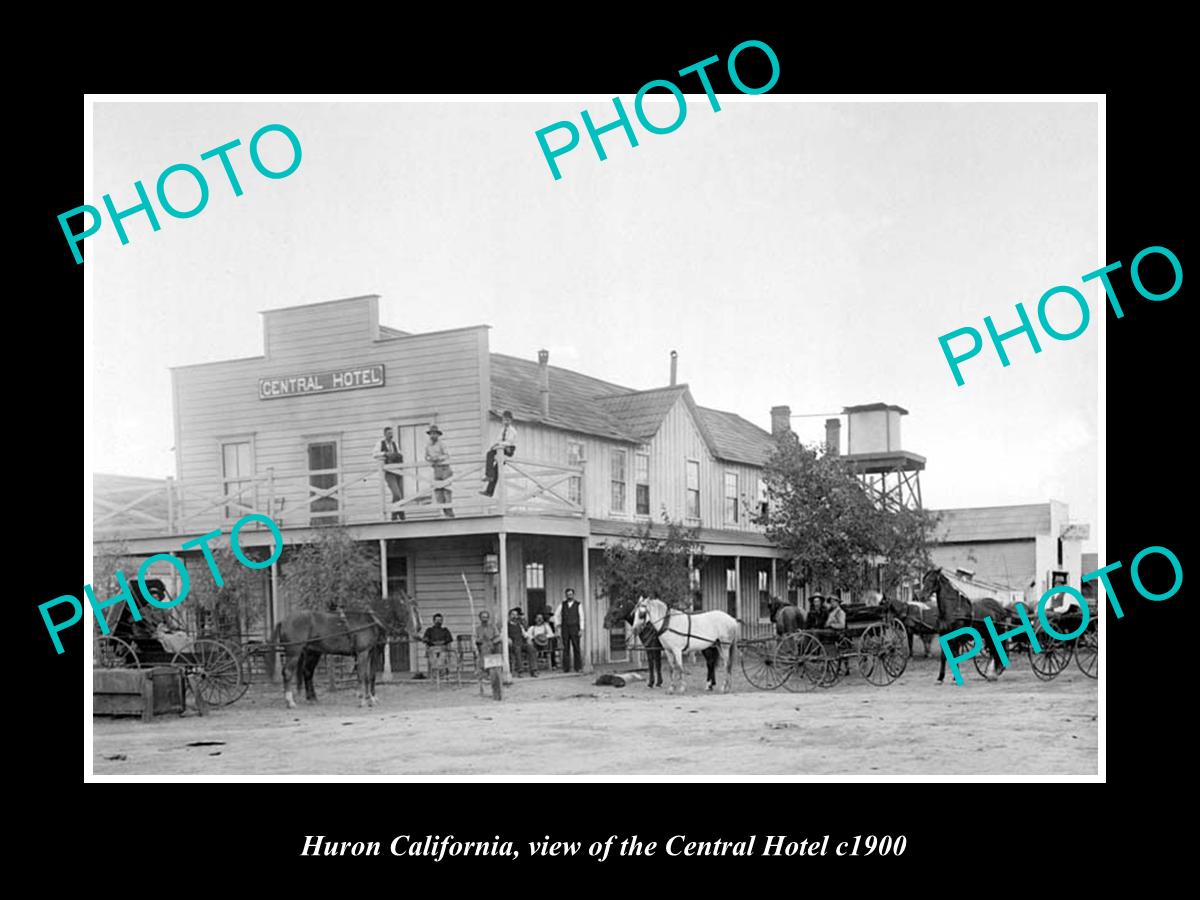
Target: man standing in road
{"points": [[568, 622]]}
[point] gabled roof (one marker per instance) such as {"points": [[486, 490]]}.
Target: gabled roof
{"points": [[993, 523], [642, 412], [736, 439], [573, 398], [591, 406]]}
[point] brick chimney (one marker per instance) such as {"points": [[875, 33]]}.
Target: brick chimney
{"points": [[781, 420], [674, 366], [544, 381], [833, 436]]}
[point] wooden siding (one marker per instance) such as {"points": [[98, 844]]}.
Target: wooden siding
{"points": [[437, 375], [677, 441], [1013, 563]]}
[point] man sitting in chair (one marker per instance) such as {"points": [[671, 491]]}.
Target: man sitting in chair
{"points": [[519, 645], [487, 639], [438, 641], [541, 634]]}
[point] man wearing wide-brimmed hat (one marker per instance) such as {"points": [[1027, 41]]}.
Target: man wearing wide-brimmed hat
{"points": [[436, 453]]}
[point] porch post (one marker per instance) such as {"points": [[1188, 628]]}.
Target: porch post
{"points": [[774, 579], [501, 617], [593, 621], [737, 579], [276, 616], [383, 591]]}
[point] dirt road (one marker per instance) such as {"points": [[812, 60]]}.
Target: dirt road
{"points": [[564, 725]]}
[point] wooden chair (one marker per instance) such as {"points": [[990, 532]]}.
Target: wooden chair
{"points": [[443, 662]]}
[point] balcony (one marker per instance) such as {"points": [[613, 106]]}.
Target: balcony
{"points": [[304, 499]]}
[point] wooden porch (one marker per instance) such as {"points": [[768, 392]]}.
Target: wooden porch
{"points": [[301, 500]]}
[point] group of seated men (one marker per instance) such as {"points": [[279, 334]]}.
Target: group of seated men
{"points": [[826, 612], [525, 641]]}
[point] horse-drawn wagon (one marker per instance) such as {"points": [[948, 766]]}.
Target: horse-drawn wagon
{"points": [[211, 667], [962, 602], [874, 642]]}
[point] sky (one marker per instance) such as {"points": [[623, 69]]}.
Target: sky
{"points": [[807, 254]]}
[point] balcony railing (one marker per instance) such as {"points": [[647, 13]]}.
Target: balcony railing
{"points": [[361, 496]]}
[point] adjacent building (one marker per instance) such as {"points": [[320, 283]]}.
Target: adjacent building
{"points": [[1021, 551]]}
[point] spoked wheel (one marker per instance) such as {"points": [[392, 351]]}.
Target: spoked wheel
{"points": [[900, 640], [760, 665], [982, 659], [1055, 656], [807, 663], [113, 652], [882, 654], [1087, 650], [218, 671]]}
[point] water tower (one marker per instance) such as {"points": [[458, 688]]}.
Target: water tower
{"points": [[891, 475]]}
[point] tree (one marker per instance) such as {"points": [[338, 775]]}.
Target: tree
{"points": [[332, 570], [236, 606], [108, 558], [648, 566], [832, 532]]}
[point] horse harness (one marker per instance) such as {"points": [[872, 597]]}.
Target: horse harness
{"points": [[688, 636]]}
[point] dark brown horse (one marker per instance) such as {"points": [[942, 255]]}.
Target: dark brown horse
{"points": [[304, 636], [787, 618], [919, 619], [957, 611]]}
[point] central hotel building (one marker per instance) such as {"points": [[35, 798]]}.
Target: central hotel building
{"points": [[294, 433]]}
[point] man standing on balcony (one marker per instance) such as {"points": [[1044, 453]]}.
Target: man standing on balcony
{"points": [[568, 620], [391, 456], [507, 442], [436, 453]]}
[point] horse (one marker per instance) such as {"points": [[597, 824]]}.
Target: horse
{"points": [[787, 617], [304, 636], [919, 618], [680, 632], [654, 657], [955, 611]]}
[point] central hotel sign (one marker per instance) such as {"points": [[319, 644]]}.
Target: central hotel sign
{"points": [[352, 379]]}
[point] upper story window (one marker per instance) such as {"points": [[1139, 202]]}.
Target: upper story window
{"points": [[764, 502], [237, 470], [693, 489], [642, 480], [575, 482], [731, 497], [618, 481]]}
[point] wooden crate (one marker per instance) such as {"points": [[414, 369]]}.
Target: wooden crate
{"points": [[137, 692]]}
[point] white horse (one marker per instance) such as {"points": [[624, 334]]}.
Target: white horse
{"points": [[681, 632]]}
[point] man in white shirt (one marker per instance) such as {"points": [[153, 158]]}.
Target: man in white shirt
{"points": [[506, 443]]}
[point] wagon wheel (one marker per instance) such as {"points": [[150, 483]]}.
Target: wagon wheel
{"points": [[982, 659], [1087, 650], [113, 652], [881, 656], [218, 669], [1055, 656], [760, 665], [806, 662], [900, 640]]}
